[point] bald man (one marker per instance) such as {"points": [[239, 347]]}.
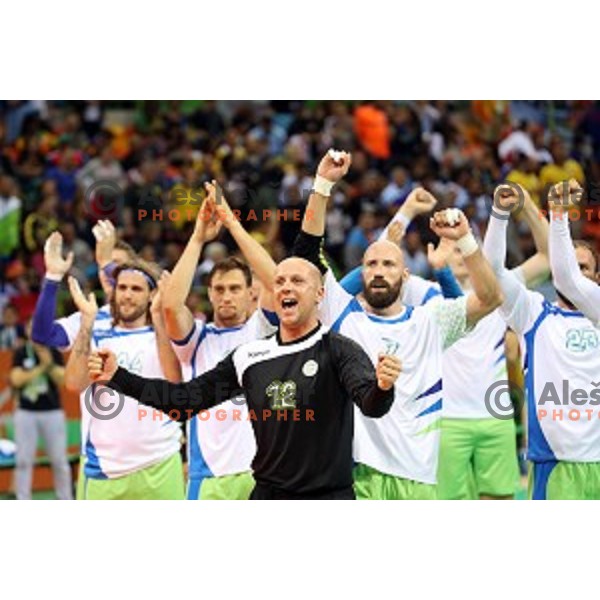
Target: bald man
{"points": [[397, 455], [299, 384]]}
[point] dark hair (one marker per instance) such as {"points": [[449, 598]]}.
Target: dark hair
{"points": [[151, 270], [231, 264], [591, 248]]}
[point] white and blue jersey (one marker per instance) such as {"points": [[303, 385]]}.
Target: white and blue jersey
{"points": [[220, 440], [70, 326], [562, 377], [404, 442], [472, 366], [128, 438]]}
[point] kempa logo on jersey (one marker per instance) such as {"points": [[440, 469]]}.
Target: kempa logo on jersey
{"points": [[550, 402], [258, 353]]}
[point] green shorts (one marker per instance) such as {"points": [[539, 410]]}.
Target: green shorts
{"points": [[564, 481], [478, 457], [226, 487], [163, 481], [370, 484]]}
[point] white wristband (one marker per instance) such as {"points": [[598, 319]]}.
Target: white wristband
{"points": [[403, 219], [467, 244], [323, 186], [53, 277]]}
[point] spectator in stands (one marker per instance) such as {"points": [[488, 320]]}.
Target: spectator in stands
{"points": [[63, 174], [563, 168], [360, 237], [10, 220], [12, 333], [415, 258], [43, 220]]}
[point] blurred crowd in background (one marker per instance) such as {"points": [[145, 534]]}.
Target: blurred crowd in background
{"points": [[66, 164]]}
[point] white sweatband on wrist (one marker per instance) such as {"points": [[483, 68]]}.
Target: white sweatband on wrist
{"points": [[323, 186], [402, 219], [53, 277], [467, 244]]}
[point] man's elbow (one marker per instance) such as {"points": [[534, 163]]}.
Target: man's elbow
{"points": [[491, 298], [37, 337], [379, 406], [171, 307]]}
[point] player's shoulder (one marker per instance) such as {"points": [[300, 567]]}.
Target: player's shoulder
{"points": [[256, 347], [340, 343]]}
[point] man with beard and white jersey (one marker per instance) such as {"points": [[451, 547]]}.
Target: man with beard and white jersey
{"points": [[478, 456], [61, 333], [221, 442], [397, 455], [562, 366], [416, 291], [129, 453]]}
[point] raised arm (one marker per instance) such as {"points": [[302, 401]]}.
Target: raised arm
{"points": [[44, 329], [582, 291], [418, 202], [106, 237], [309, 243], [76, 374], [256, 256], [187, 399], [179, 320], [168, 359], [333, 166], [515, 305], [534, 270], [438, 260], [486, 296]]}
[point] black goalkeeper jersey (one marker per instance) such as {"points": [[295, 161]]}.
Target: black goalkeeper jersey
{"points": [[299, 397]]}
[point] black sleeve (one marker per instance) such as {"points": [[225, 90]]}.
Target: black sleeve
{"points": [[187, 398], [310, 247], [358, 377]]}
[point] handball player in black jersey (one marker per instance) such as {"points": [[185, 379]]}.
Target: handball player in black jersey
{"points": [[300, 385]]}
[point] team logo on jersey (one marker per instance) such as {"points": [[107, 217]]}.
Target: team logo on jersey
{"points": [[390, 345], [282, 395], [310, 368], [581, 340], [129, 362]]}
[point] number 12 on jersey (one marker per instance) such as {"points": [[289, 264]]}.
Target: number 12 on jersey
{"points": [[282, 394]]}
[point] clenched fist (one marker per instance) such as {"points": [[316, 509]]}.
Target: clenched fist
{"points": [[387, 371], [334, 165], [102, 365], [565, 195]]}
